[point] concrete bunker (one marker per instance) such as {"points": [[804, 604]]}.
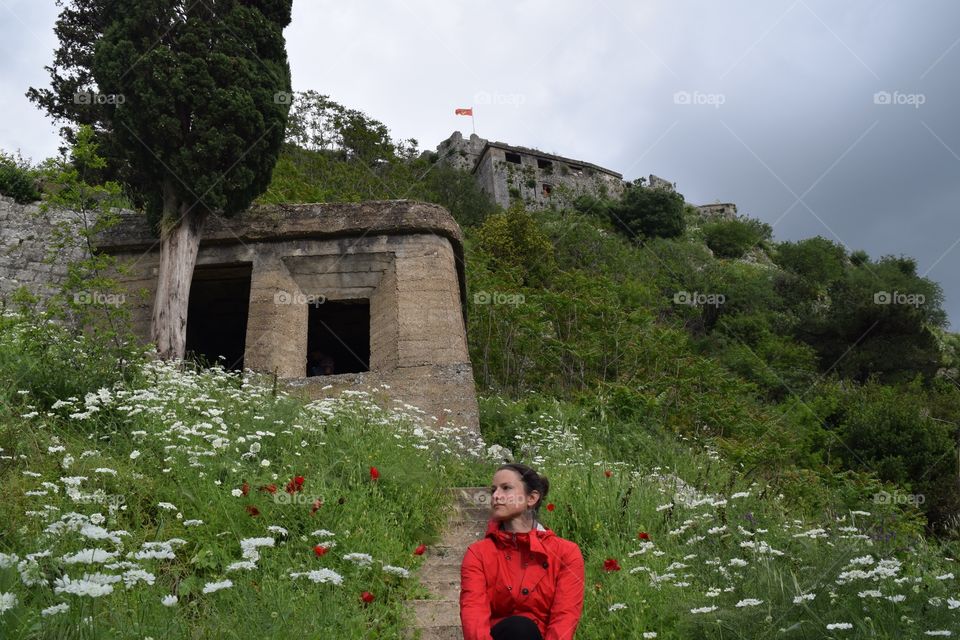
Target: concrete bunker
{"points": [[377, 288]]}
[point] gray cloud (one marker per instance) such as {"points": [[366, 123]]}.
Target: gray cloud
{"points": [[795, 82]]}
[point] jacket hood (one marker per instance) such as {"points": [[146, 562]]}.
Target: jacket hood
{"points": [[532, 539]]}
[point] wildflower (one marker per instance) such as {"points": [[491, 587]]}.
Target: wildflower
{"points": [[367, 597], [269, 488], [616, 606], [316, 505], [804, 596], [168, 601], [211, 587], [419, 550], [296, 484], [55, 609], [611, 564], [320, 575], [264, 463], [84, 587], [167, 505], [236, 493], [252, 510], [839, 625], [704, 609], [643, 535], [134, 454], [248, 565], [7, 601], [245, 488], [397, 571], [608, 473], [320, 550], [323, 533], [89, 556], [361, 559], [374, 473], [749, 602]]}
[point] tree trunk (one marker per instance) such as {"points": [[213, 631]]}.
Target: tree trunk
{"points": [[180, 230]]}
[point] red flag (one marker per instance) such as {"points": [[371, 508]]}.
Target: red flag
{"points": [[464, 112]]}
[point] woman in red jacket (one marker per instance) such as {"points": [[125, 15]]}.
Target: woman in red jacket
{"points": [[522, 581]]}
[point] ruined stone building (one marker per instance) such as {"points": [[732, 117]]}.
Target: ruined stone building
{"points": [[376, 291], [509, 173]]}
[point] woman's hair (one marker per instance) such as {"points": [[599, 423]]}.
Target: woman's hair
{"points": [[532, 481]]}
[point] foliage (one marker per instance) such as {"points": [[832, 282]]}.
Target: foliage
{"points": [[18, 179], [733, 238], [645, 212], [516, 245], [190, 102]]}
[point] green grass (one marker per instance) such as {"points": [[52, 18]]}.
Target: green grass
{"points": [[191, 439]]}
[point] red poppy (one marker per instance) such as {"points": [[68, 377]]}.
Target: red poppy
{"points": [[269, 488], [611, 564], [419, 550], [320, 550], [295, 485], [608, 473], [316, 505], [367, 597], [252, 510], [551, 506], [245, 488], [374, 474], [643, 535]]}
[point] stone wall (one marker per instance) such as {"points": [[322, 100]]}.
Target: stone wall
{"points": [[25, 233]]}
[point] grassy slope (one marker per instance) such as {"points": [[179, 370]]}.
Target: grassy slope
{"points": [[718, 543]]}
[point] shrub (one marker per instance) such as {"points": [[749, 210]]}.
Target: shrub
{"points": [[649, 213], [17, 179], [733, 238]]}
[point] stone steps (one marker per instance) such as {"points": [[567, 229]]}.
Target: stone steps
{"points": [[439, 618]]}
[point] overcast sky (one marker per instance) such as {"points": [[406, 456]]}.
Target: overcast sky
{"points": [[819, 117]]}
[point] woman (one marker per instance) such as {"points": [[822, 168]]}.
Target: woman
{"points": [[522, 581]]}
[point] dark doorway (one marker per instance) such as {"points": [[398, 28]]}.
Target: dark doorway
{"points": [[338, 338], [217, 314]]}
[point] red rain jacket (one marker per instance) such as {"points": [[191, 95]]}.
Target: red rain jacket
{"points": [[537, 574]]}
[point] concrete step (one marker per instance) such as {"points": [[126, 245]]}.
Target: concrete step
{"points": [[448, 589], [435, 613], [438, 633], [471, 496], [449, 572]]}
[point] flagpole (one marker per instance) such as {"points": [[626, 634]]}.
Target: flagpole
{"points": [[473, 122]]}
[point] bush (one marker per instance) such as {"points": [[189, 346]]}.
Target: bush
{"points": [[649, 213], [17, 179], [733, 238], [514, 241]]}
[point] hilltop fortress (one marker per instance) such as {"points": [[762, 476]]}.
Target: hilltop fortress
{"points": [[510, 173]]}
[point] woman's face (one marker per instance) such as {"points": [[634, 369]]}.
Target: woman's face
{"points": [[509, 499]]}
